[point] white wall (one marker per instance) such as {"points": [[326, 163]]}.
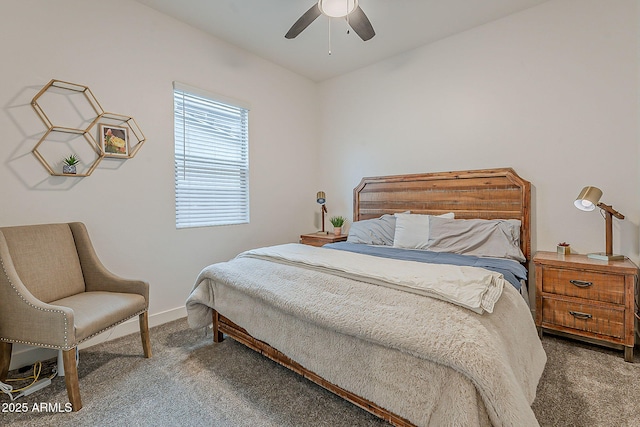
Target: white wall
{"points": [[551, 91], [129, 55]]}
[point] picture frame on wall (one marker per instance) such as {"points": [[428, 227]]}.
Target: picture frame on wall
{"points": [[114, 141]]}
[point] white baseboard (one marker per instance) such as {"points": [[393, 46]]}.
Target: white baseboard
{"points": [[24, 355]]}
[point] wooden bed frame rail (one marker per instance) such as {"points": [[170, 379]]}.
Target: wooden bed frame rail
{"points": [[222, 325]]}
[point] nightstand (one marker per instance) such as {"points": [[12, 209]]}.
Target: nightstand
{"points": [[319, 239], [587, 299]]}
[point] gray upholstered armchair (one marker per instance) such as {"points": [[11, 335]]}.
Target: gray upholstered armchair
{"points": [[55, 293]]}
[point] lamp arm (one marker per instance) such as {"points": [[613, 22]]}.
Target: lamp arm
{"points": [[610, 213], [609, 209], [323, 210]]}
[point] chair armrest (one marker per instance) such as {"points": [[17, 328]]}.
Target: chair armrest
{"points": [[96, 275], [26, 319]]}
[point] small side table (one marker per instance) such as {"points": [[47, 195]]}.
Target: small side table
{"points": [[587, 299], [320, 238]]}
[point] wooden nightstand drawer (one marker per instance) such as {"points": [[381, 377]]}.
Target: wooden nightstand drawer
{"points": [[583, 317], [584, 284]]}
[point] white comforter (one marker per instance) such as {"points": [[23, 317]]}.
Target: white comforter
{"points": [[474, 288], [488, 365]]}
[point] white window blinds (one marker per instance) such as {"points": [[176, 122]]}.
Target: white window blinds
{"points": [[211, 160]]}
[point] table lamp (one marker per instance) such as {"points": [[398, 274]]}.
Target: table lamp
{"points": [[587, 200], [321, 198]]}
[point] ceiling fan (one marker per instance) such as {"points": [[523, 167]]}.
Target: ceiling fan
{"points": [[348, 9]]}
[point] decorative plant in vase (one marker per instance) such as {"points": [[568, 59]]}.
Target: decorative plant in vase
{"points": [[337, 222], [70, 164]]}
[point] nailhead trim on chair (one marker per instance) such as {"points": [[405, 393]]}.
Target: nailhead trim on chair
{"points": [[79, 342], [66, 321]]}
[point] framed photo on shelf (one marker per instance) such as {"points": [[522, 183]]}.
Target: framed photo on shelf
{"points": [[114, 141]]}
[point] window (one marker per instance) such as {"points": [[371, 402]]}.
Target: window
{"points": [[211, 159]]}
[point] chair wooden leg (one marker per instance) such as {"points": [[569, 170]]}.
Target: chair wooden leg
{"points": [[5, 359], [144, 334], [71, 378]]}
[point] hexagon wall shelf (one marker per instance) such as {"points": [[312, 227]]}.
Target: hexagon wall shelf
{"points": [[98, 117], [62, 87], [114, 119], [88, 138]]}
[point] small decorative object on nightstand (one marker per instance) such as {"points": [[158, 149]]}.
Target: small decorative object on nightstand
{"points": [[337, 222], [320, 239], [564, 248], [587, 299]]}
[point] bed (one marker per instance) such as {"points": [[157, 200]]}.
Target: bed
{"points": [[454, 344]]}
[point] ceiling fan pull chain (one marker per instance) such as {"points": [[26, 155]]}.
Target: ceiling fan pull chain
{"points": [[329, 36], [347, 18]]}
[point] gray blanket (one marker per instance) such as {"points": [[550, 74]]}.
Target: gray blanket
{"points": [[427, 360]]}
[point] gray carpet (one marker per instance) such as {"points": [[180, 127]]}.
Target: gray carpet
{"points": [[191, 382]]}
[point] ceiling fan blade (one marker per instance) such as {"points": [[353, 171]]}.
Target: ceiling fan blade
{"points": [[361, 24], [303, 22]]}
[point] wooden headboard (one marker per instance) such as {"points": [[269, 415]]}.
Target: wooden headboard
{"points": [[485, 194]]}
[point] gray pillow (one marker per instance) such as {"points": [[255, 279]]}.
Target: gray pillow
{"points": [[377, 231], [498, 238]]}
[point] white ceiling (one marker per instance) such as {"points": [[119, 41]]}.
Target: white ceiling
{"points": [[401, 25]]}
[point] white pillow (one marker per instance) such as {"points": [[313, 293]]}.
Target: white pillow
{"points": [[412, 230]]}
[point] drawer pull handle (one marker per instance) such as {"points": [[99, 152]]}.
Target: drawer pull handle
{"points": [[581, 283], [579, 315]]}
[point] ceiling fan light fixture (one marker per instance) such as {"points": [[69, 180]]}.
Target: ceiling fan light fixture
{"points": [[337, 8], [355, 16]]}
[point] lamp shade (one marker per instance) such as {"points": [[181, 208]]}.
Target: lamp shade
{"points": [[337, 8], [588, 198], [321, 197]]}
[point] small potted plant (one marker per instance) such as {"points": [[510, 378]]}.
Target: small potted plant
{"points": [[70, 164], [337, 222], [564, 248]]}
